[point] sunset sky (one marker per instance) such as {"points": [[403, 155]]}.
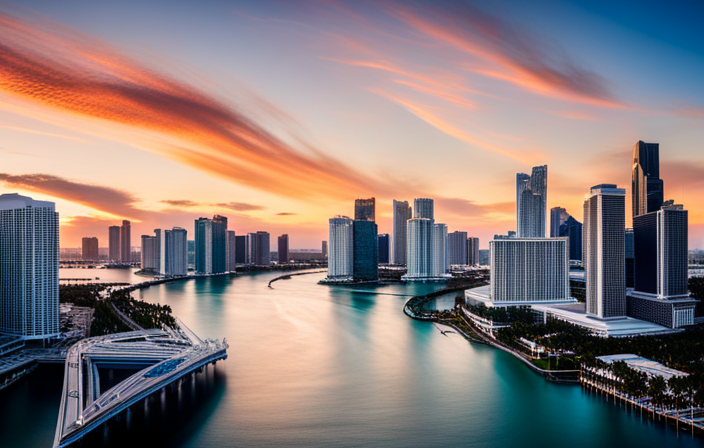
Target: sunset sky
{"points": [[278, 114]]}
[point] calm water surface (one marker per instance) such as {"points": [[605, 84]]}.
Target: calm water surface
{"points": [[313, 365]]}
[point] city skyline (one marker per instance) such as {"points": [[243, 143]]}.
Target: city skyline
{"points": [[354, 104]]}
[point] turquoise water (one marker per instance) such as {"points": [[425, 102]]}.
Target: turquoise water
{"points": [[313, 365]]}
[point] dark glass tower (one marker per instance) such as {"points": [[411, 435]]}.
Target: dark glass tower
{"points": [[572, 229], [647, 189], [219, 244], [365, 251], [364, 209], [384, 246]]}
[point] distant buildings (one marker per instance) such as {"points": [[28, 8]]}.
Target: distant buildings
{"points": [[384, 248], [324, 249], [457, 245], [241, 249], [231, 251], [484, 257], [165, 253], [283, 249], [439, 250], [90, 248], [364, 210], [473, 253], [29, 267], [341, 256], [259, 245], [527, 271], [604, 251], [558, 216], [572, 229], [531, 202], [401, 214], [114, 243], [125, 242]]}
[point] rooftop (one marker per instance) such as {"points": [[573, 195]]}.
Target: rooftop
{"points": [[649, 367]]}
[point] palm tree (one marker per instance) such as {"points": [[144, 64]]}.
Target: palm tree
{"points": [[656, 390], [677, 386]]}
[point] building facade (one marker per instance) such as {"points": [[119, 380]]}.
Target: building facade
{"points": [[29, 267], [473, 257], [439, 250], [604, 251], [572, 229], [419, 249], [219, 250], [150, 254], [558, 216], [341, 246], [114, 243], [401, 215], [204, 245], [175, 253], [384, 248], [90, 248], [283, 254], [259, 248], [125, 242], [365, 254], [529, 271], [531, 203], [364, 210], [423, 208], [241, 249], [457, 248], [231, 251], [647, 191]]}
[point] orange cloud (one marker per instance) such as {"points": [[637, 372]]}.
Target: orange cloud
{"points": [[424, 114], [62, 70], [517, 57]]}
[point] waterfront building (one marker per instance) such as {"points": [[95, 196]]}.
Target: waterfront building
{"points": [[384, 248], [558, 216], [89, 248], [457, 245], [231, 251], [114, 243], [484, 257], [660, 292], [283, 254], [528, 271], [439, 251], [219, 238], [604, 251], [531, 202], [509, 234], [324, 249], [150, 253], [29, 267], [572, 229], [175, 253], [401, 215], [191, 253], [259, 248], [473, 253], [365, 253], [204, 246], [629, 243], [125, 242], [647, 188], [241, 249], [364, 210], [423, 208], [341, 245], [419, 249]]}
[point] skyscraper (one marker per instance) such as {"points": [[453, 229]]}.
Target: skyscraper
{"points": [[219, 239], [241, 248], [531, 202], [473, 251], [365, 254], [647, 187], [572, 229], [231, 251], [341, 246], [401, 215], [114, 243], [29, 267], [384, 248], [661, 268], [150, 254], [260, 248], [364, 209], [439, 250], [204, 246], [283, 249], [176, 252], [457, 248], [604, 251], [125, 243], [423, 208], [419, 248], [630, 258], [558, 216], [90, 248], [324, 249]]}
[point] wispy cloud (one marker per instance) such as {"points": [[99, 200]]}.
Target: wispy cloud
{"points": [[240, 206], [180, 203], [66, 71], [286, 214]]}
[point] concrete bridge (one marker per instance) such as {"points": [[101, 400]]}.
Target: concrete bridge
{"points": [[163, 356]]}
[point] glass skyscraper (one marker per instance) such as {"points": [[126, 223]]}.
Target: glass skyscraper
{"points": [[365, 257], [531, 203], [647, 187]]}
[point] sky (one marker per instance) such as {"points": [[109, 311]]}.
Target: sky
{"points": [[279, 114]]}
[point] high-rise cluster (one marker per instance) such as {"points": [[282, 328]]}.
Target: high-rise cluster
{"points": [[120, 249], [166, 252], [354, 245], [426, 243]]}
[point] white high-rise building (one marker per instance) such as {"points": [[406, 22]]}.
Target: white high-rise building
{"points": [[439, 250], [401, 214], [528, 271], [604, 251], [419, 249], [176, 253], [423, 208], [341, 249], [150, 253], [29, 267]]}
